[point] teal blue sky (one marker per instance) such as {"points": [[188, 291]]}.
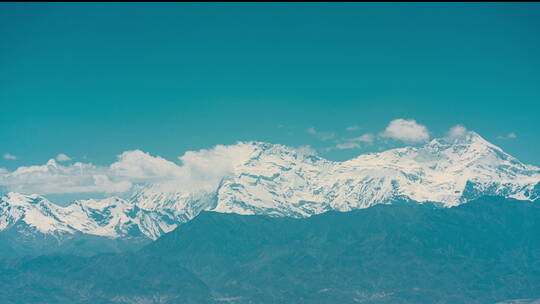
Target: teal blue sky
{"points": [[93, 80]]}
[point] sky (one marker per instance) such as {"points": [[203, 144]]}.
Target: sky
{"points": [[87, 82]]}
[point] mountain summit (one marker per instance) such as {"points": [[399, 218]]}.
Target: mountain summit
{"points": [[270, 179]]}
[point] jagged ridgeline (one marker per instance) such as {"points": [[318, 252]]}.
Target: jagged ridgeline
{"points": [[484, 251], [270, 179]]}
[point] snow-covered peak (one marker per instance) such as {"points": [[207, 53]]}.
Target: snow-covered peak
{"points": [[33, 210], [463, 137], [442, 169], [469, 145], [452, 170], [18, 199], [466, 150]]}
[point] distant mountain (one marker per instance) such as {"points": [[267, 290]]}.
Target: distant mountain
{"points": [[32, 225], [270, 179], [484, 251], [277, 180], [280, 181]]}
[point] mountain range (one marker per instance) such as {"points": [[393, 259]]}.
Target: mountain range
{"points": [[454, 220], [483, 251], [275, 180]]}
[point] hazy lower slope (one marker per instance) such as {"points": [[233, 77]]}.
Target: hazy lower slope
{"points": [[126, 278], [485, 251], [482, 252]]}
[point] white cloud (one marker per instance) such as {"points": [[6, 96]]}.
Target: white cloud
{"points": [[347, 145], [365, 138], [9, 156], [220, 158], [62, 157], [137, 165], [306, 150], [324, 136], [204, 169], [456, 131], [407, 130], [510, 135], [353, 143], [352, 128]]}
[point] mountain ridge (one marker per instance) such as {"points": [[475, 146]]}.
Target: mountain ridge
{"points": [[277, 180]]}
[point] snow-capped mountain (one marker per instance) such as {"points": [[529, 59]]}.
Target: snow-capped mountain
{"points": [[110, 217], [277, 180]]}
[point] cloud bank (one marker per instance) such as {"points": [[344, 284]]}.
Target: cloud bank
{"points": [[196, 170], [53, 178]]}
